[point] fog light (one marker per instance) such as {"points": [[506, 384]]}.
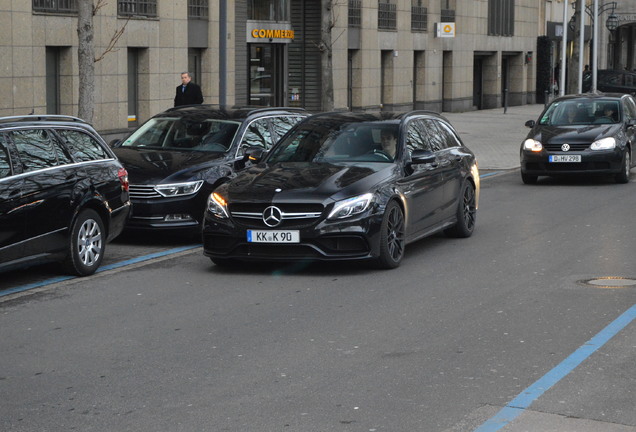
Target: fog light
{"points": [[179, 217]]}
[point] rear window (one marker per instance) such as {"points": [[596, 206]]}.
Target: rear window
{"points": [[82, 146]]}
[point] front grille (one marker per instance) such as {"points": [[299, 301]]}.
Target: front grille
{"points": [[294, 216], [143, 192], [573, 147]]}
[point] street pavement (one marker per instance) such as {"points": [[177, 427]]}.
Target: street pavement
{"points": [[493, 136]]}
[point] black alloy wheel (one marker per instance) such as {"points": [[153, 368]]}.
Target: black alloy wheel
{"points": [[392, 241], [528, 179], [466, 213], [86, 244]]}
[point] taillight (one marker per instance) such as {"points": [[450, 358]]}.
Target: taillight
{"points": [[123, 178]]}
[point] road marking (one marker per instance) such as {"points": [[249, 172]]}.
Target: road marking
{"points": [[116, 265], [518, 405]]}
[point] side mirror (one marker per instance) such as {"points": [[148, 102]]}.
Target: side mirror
{"points": [[422, 157], [631, 122], [115, 143], [530, 123], [254, 154]]}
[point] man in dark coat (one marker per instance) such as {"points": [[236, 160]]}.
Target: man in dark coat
{"points": [[188, 93]]}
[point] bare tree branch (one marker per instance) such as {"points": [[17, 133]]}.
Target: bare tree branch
{"points": [[113, 40]]}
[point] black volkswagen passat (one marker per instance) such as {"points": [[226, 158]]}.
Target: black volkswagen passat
{"points": [[344, 186], [587, 134], [178, 157]]}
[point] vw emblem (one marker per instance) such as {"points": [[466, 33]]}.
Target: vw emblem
{"points": [[565, 147], [272, 216]]}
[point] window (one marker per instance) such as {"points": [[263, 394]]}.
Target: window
{"points": [[283, 123], [447, 11], [438, 139], [257, 134], [268, 10], [83, 147], [355, 13], [5, 163], [147, 8], [501, 17], [417, 136], [198, 9], [387, 15], [419, 16], [38, 149], [55, 6], [449, 137]]}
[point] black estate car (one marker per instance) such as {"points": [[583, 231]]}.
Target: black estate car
{"points": [[611, 81], [585, 134], [346, 186], [63, 193], [179, 156]]}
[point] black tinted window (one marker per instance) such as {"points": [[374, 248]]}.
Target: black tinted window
{"points": [[417, 136], [5, 165], [282, 124], [257, 134], [38, 149], [450, 138], [83, 147], [437, 135]]}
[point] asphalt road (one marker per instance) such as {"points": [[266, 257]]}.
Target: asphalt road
{"points": [[461, 330]]}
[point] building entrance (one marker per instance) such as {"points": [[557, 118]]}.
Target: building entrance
{"points": [[267, 74]]}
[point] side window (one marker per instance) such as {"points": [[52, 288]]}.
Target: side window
{"points": [[82, 146], [629, 108], [283, 123], [38, 149], [417, 137], [5, 162], [257, 134], [437, 137], [450, 137]]}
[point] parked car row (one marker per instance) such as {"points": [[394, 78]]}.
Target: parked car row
{"points": [[338, 186]]}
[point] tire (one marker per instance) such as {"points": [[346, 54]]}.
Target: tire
{"points": [[86, 244], [529, 179], [466, 213], [392, 240], [623, 175]]}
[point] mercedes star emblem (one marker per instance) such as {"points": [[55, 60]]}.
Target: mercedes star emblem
{"points": [[272, 216], [565, 147]]}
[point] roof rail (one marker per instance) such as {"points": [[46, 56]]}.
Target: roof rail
{"points": [[36, 117]]}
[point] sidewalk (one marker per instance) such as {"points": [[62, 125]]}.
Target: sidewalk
{"points": [[493, 136]]}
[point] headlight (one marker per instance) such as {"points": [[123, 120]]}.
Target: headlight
{"points": [[217, 205], [178, 189], [604, 144], [532, 145], [351, 206]]}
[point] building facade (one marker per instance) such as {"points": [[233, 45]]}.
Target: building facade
{"points": [[443, 55]]}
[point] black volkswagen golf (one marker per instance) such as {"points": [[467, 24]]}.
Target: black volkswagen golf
{"points": [[586, 134], [179, 156], [345, 186]]}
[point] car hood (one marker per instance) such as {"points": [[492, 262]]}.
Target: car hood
{"points": [[306, 181], [156, 166], [573, 134]]}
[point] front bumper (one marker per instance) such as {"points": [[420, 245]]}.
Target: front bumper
{"points": [[592, 162], [354, 239]]}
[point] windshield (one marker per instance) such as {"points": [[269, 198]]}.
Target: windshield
{"points": [[577, 112], [179, 134], [349, 142]]}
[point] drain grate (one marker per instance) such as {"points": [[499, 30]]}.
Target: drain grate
{"points": [[610, 282]]}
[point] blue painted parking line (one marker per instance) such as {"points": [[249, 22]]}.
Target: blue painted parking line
{"points": [[54, 280], [518, 405], [489, 174]]}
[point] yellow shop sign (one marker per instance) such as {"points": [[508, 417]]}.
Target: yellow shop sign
{"points": [[272, 34]]}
